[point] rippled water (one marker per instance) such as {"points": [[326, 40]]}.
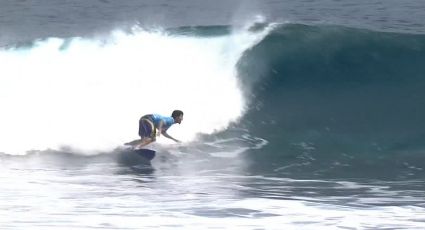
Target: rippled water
{"points": [[48, 192], [25, 21]]}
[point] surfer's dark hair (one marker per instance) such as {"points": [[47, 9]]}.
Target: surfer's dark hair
{"points": [[176, 113]]}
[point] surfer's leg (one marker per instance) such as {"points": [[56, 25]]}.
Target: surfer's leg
{"points": [[134, 142], [147, 133], [143, 142]]}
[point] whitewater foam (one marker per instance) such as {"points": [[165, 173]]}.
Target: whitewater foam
{"points": [[88, 94]]}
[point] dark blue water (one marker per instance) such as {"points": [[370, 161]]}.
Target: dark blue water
{"points": [[27, 20], [352, 98]]}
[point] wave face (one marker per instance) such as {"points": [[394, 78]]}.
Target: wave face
{"points": [[88, 94], [306, 100], [337, 94]]}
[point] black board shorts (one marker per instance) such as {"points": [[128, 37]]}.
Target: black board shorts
{"points": [[146, 127]]}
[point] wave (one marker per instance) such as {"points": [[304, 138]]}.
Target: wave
{"points": [[336, 94], [335, 79], [311, 100], [88, 94]]}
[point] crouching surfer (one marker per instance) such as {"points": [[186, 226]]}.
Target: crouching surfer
{"points": [[153, 125]]}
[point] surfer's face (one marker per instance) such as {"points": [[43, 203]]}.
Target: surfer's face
{"points": [[179, 119]]}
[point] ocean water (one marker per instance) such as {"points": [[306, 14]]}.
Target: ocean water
{"points": [[298, 114]]}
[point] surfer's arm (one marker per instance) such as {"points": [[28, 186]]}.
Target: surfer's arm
{"points": [[170, 137]]}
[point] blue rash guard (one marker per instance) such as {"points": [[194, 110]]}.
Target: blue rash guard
{"points": [[168, 121]]}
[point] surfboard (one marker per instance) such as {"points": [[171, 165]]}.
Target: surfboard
{"points": [[148, 154], [130, 157]]}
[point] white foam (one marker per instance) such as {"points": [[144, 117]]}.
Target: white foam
{"points": [[88, 94]]}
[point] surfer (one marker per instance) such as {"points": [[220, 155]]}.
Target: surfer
{"points": [[153, 125]]}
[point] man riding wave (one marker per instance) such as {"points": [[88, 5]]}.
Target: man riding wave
{"points": [[153, 125]]}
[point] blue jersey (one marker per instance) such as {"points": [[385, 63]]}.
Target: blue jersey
{"points": [[168, 121]]}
